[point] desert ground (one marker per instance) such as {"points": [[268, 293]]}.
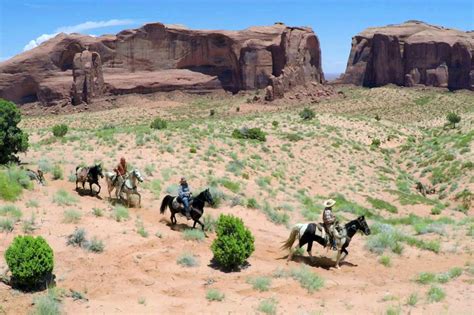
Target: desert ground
{"points": [[271, 185]]}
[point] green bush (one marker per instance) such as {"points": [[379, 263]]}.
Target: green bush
{"points": [[214, 295], [12, 182], [30, 260], [187, 260], [234, 242], [158, 123], [57, 172], [249, 133], [60, 131], [453, 119], [307, 114], [193, 235], [12, 138]]}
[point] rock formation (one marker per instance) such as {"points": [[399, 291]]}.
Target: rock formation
{"points": [[412, 53], [159, 58]]}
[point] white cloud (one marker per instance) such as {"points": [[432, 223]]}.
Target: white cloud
{"points": [[89, 25]]}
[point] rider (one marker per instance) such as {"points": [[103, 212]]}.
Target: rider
{"points": [[184, 195], [120, 170], [329, 221]]}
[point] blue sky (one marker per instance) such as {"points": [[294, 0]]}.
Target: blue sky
{"points": [[25, 23]]}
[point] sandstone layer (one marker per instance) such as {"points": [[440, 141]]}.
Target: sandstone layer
{"points": [[412, 53], [76, 68]]}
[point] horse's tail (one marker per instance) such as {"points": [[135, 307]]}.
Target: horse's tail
{"points": [[165, 202], [295, 231]]}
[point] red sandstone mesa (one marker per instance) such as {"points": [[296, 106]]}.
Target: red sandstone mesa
{"points": [[412, 53], [76, 68]]}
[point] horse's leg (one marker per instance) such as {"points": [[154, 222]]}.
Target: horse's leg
{"points": [[310, 247], [99, 188], [139, 200], [90, 186], [338, 259]]}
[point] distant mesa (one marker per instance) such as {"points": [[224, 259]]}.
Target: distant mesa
{"points": [[410, 54], [75, 68]]}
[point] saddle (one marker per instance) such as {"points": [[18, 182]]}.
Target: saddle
{"points": [[179, 206]]}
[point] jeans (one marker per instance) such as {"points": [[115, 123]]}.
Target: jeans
{"points": [[186, 203]]}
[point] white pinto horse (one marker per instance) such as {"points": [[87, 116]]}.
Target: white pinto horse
{"points": [[127, 185]]}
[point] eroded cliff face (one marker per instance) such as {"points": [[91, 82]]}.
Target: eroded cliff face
{"points": [[412, 53], [160, 58]]}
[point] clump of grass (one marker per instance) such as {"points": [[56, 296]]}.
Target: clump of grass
{"points": [[95, 245], [429, 277], [214, 295], [11, 211], [141, 228], [98, 212], [63, 198], [32, 204], [232, 186], [385, 260], [193, 235], [426, 277], [6, 225], [382, 205], [276, 216], [260, 283], [159, 124], [268, 306], [384, 236], [120, 213], [412, 299], [72, 216], [307, 114], [58, 172], [77, 238], [393, 310], [209, 223], [12, 182], [187, 260], [47, 304], [436, 294], [28, 226], [307, 279], [249, 133], [252, 203]]}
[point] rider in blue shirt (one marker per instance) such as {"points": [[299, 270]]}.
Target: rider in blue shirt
{"points": [[184, 195]]}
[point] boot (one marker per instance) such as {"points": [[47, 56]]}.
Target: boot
{"points": [[188, 213]]}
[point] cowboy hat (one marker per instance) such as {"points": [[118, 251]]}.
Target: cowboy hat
{"points": [[183, 179], [329, 203]]}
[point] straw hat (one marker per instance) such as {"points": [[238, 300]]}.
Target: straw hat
{"points": [[329, 203]]}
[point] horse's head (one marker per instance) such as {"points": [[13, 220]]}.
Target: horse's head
{"points": [[208, 197], [99, 170], [137, 175], [364, 227]]}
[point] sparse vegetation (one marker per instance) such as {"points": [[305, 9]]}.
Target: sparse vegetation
{"points": [[307, 279], [159, 124], [214, 295], [63, 198], [12, 138], [268, 306], [260, 283], [307, 114], [120, 213], [187, 260], [72, 216], [60, 131], [436, 294], [193, 235], [249, 133]]}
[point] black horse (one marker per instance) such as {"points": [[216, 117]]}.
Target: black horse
{"points": [[90, 175], [197, 206], [310, 232]]}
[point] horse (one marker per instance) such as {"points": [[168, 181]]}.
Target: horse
{"points": [[310, 232], [89, 174], [128, 185], [36, 176], [197, 206]]}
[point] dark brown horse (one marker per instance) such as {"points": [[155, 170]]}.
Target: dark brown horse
{"points": [[197, 206], [90, 175]]}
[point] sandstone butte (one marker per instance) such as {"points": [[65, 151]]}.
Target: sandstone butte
{"points": [[76, 68], [410, 54]]}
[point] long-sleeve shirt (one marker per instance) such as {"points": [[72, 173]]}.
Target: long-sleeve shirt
{"points": [[184, 191], [328, 216], [121, 169]]}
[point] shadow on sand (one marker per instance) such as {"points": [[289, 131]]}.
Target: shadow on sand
{"points": [[87, 192], [319, 261]]}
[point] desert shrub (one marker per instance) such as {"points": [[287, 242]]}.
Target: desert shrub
{"points": [[375, 143], [28, 226], [77, 238], [385, 260], [249, 133], [209, 223], [47, 304], [12, 138], [95, 245], [63, 198], [217, 195], [232, 186], [275, 123], [72, 216], [214, 295], [141, 228], [98, 212], [60, 131], [307, 114], [57, 172], [193, 235], [120, 213], [45, 165], [234, 242], [436, 294], [6, 225], [453, 119], [30, 261], [11, 211], [412, 299], [268, 306], [381, 204], [12, 182], [252, 203], [260, 283], [187, 260], [307, 279], [158, 123]]}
